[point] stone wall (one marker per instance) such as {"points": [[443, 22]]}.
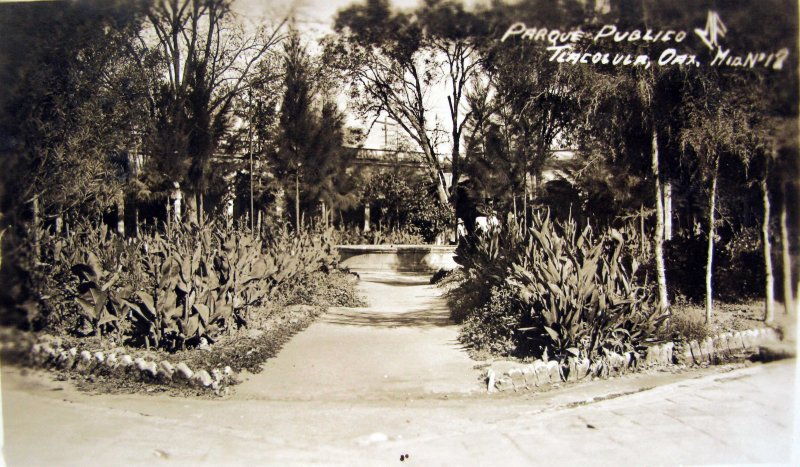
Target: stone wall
{"points": [[397, 258]]}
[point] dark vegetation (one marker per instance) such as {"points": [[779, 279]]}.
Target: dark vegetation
{"points": [[163, 195]]}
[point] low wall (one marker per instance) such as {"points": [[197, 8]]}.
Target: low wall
{"points": [[397, 258]]}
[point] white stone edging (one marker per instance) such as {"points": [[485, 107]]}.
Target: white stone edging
{"points": [[48, 354], [711, 350]]}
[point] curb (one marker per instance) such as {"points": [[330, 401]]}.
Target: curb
{"points": [[711, 351], [48, 353]]}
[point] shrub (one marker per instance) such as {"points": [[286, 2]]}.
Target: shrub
{"points": [[485, 259], [683, 327], [395, 236], [739, 272], [440, 275], [406, 204], [580, 295], [738, 267], [171, 290], [493, 327]]}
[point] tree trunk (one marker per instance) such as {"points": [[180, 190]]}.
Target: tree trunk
{"points": [[525, 199], [297, 202], [712, 205], [786, 258], [641, 229], [36, 239], [121, 213], [661, 274], [434, 167], [667, 210], [769, 306]]}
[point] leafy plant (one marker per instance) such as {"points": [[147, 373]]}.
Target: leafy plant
{"points": [[580, 296], [494, 327], [100, 306], [485, 259]]}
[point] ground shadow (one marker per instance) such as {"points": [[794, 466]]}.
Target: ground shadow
{"points": [[395, 282], [411, 319]]}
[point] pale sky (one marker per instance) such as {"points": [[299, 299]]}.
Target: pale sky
{"points": [[315, 17], [312, 12]]}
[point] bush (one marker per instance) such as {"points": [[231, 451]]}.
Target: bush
{"points": [[552, 289], [738, 272], [685, 264], [683, 327], [493, 327], [170, 290], [581, 296], [396, 236], [407, 205], [319, 288], [485, 259]]}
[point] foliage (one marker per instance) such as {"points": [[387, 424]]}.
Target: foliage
{"points": [[579, 292], [738, 270], [404, 204], [485, 259], [682, 326], [71, 103], [205, 60], [495, 326], [169, 290], [395, 236], [99, 305], [310, 157], [319, 288], [391, 69]]}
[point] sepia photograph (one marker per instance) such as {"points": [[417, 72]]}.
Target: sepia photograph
{"points": [[396, 232]]}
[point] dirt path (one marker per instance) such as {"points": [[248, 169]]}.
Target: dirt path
{"points": [[403, 344]]}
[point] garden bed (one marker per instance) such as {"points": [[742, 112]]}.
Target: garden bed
{"points": [[726, 347], [106, 366]]}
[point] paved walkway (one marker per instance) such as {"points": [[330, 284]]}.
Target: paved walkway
{"points": [[402, 344], [365, 386], [739, 417]]}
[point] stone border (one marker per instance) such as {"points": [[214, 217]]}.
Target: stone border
{"points": [[712, 350], [49, 354]]}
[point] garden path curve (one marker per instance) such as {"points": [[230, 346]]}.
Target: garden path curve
{"points": [[402, 344]]}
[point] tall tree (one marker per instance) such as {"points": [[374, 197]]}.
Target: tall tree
{"points": [[311, 157], [457, 36], [713, 130], [393, 73], [209, 59], [71, 102]]}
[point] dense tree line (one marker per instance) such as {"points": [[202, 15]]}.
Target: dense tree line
{"points": [[115, 104]]}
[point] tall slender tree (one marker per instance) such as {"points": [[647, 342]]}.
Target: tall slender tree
{"points": [[311, 156]]}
